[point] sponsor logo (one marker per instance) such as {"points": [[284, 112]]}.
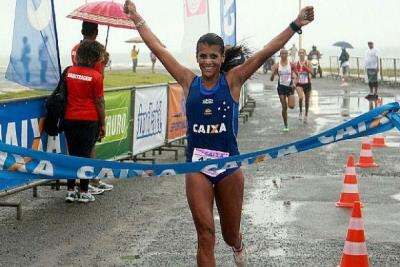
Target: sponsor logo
{"points": [[208, 101], [79, 77], [209, 129], [207, 112]]}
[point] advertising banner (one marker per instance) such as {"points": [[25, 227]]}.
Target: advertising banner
{"points": [[195, 24], [117, 141], [177, 124], [21, 124], [228, 21], [150, 118], [48, 166], [34, 60]]}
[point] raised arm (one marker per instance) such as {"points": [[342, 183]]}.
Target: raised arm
{"points": [[182, 75], [241, 73]]}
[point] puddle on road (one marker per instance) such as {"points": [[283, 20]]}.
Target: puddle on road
{"points": [[396, 197], [265, 209]]}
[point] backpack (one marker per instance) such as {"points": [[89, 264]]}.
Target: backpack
{"points": [[55, 106]]}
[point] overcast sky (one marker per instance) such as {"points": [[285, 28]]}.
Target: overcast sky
{"points": [[356, 21]]}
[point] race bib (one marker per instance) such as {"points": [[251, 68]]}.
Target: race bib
{"points": [[303, 77], [202, 154], [285, 79]]}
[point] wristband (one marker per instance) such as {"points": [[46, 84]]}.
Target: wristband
{"points": [[140, 24], [295, 27]]}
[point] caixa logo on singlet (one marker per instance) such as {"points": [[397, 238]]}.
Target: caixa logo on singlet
{"points": [[149, 120]]}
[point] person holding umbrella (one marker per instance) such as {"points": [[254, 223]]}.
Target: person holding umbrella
{"points": [[89, 32], [212, 115], [344, 65]]}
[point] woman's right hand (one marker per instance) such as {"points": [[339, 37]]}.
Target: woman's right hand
{"points": [[129, 8]]}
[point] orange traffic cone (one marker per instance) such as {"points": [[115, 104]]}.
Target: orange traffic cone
{"points": [[378, 141], [366, 159], [349, 193], [355, 248]]}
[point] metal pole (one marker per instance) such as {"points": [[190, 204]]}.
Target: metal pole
{"points": [[395, 70], [300, 35]]}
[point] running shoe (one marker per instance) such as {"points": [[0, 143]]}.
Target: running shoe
{"points": [[85, 197], [240, 256], [93, 190], [71, 196], [305, 120], [106, 187], [285, 129], [300, 116]]}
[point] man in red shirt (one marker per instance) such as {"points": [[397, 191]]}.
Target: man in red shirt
{"points": [[89, 32]]}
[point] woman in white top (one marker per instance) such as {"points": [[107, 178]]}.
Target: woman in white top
{"points": [[286, 85]]}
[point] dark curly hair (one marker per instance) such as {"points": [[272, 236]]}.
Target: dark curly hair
{"points": [[89, 52], [234, 55]]}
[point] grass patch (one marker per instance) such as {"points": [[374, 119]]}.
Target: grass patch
{"points": [[129, 78], [22, 94], [111, 79]]}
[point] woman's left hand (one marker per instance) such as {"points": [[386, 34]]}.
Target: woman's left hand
{"points": [[305, 16]]}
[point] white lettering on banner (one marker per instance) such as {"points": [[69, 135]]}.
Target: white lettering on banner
{"points": [[19, 163], [346, 131], [349, 131], [3, 157], [53, 144], [105, 173], [36, 132], [168, 172], [85, 172], [44, 168], [287, 151], [124, 173], [115, 124], [149, 121], [209, 129], [211, 167], [229, 19], [230, 165], [11, 134], [24, 133], [79, 77]]}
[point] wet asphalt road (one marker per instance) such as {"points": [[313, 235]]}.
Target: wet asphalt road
{"points": [[289, 213]]}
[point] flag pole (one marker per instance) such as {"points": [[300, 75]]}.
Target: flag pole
{"points": [[56, 36], [208, 16], [300, 36]]}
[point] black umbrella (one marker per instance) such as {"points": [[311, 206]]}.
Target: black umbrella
{"points": [[343, 44]]}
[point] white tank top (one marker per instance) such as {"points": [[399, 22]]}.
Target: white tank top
{"points": [[285, 74]]}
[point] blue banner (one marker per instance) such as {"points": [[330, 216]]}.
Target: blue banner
{"points": [[21, 124], [43, 165], [34, 60], [228, 21]]}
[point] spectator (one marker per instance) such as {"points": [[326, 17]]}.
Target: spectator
{"points": [[84, 120], [372, 69], [153, 59], [134, 56], [89, 32], [344, 65], [293, 52]]}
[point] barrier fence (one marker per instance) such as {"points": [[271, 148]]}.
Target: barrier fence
{"points": [[389, 72], [138, 119]]}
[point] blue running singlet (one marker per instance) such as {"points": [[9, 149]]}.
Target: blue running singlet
{"points": [[212, 116]]}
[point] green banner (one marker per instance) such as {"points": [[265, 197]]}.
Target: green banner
{"points": [[118, 139]]}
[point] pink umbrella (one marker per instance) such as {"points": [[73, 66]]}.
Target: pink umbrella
{"points": [[106, 13]]}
